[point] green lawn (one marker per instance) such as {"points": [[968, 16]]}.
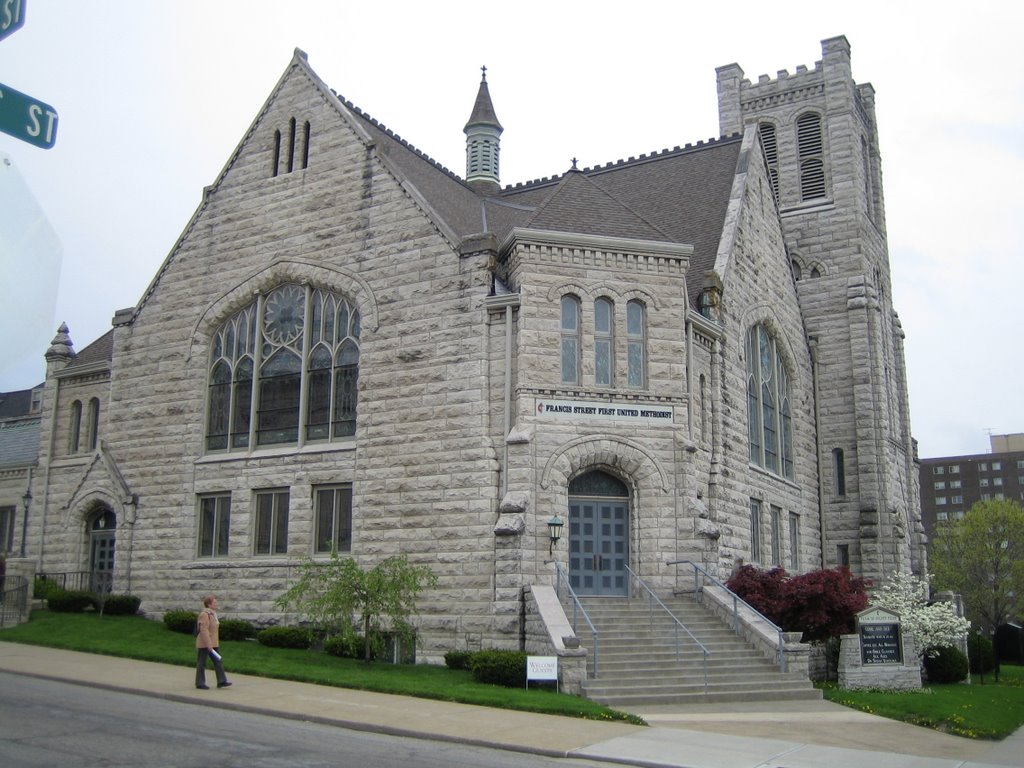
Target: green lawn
{"points": [[977, 711], [989, 711], [138, 638]]}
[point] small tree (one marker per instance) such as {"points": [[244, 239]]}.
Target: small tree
{"points": [[821, 604], [981, 556], [932, 626], [335, 594]]}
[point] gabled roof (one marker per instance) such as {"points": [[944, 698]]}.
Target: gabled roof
{"points": [[677, 195]]}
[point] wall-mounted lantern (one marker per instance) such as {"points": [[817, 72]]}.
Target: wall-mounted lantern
{"points": [[555, 531]]}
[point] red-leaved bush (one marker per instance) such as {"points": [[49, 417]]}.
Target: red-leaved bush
{"points": [[820, 604]]}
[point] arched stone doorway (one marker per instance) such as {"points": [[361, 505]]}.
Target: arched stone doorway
{"points": [[102, 531], [598, 534]]}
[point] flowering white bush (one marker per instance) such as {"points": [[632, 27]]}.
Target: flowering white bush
{"points": [[931, 626]]}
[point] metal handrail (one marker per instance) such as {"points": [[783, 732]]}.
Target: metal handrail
{"points": [[87, 581], [651, 599], [13, 598], [698, 589], [560, 577]]}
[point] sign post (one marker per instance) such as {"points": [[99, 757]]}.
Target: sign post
{"points": [[542, 668], [26, 118]]}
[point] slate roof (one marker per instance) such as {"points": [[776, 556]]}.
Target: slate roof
{"points": [[100, 351], [19, 429], [19, 443], [14, 404], [678, 195]]}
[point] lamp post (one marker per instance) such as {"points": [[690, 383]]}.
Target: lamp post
{"points": [[555, 532], [26, 501]]}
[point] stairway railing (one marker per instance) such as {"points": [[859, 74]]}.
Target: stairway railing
{"points": [[702, 577], [678, 625], [577, 610]]}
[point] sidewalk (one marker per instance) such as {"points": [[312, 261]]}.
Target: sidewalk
{"points": [[809, 734]]}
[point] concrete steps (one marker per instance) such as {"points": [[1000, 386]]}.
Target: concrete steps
{"points": [[641, 664]]}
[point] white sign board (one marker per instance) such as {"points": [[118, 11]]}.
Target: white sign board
{"points": [[541, 668], [586, 410]]}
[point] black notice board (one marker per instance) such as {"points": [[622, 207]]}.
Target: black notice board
{"points": [[880, 644]]}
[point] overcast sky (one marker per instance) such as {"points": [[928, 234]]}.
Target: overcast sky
{"points": [[153, 96]]}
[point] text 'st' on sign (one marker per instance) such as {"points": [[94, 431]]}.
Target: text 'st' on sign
{"points": [[12, 16], [26, 118]]}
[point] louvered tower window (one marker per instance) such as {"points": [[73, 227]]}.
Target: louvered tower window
{"points": [[770, 145], [810, 155]]}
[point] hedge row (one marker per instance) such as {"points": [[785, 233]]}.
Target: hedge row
{"points": [[77, 601], [495, 667]]}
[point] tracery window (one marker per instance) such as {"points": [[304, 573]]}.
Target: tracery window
{"points": [[284, 370], [769, 418]]}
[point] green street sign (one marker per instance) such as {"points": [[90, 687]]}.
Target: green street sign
{"points": [[12, 16], [26, 118]]}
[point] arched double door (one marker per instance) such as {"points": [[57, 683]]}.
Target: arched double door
{"points": [[598, 534]]}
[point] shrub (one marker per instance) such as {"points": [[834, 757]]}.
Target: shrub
{"points": [[180, 620], [980, 653], [285, 637], [821, 604], [236, 629], [118, 605], [497, 667], [69, 601], [763, 590], [945, 665], [344, 646], [458, 659], [41, 588]]}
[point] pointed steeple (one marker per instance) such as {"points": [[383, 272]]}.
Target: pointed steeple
{"points": [[483, 132]]}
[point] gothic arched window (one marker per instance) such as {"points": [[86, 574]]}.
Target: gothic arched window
{"points": [[604, 342], [284, 370], [636, 344], [769, 418]]}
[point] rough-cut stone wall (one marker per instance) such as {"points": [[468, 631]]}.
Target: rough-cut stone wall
{"points": [[422, 467], [758, 289], [846, 298]]}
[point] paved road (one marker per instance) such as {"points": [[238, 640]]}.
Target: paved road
{"points": [[809, 734], [46, 723]]}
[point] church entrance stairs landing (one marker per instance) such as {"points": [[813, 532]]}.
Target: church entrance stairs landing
{"points": [[639, 663]]}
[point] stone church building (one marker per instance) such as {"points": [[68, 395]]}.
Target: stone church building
{"points": [[688, 355]]}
